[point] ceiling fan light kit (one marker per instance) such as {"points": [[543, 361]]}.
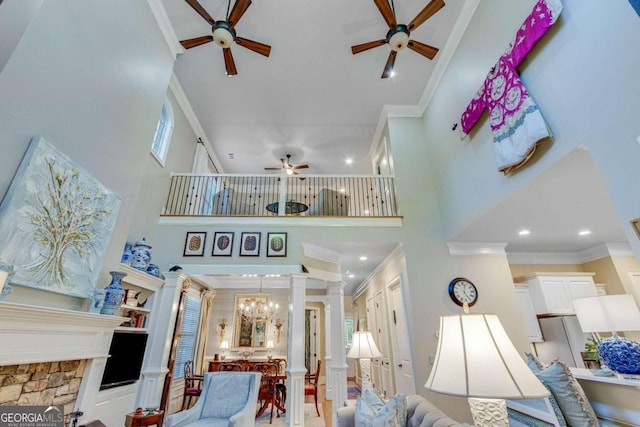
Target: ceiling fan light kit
{"points": [[398, 38], [223, 35]]}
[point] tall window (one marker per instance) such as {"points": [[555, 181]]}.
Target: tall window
{"points": [[164, 129], [188, 334]]}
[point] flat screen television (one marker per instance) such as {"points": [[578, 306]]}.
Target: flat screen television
{"points": [[125, 359]]}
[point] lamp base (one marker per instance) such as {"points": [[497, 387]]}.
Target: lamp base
{"points": [[365, 374], [620, 354], [489, 412]]}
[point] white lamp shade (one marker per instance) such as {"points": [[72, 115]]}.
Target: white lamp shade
{"points": [[475, 358], [224, 345], [270, 344], [607, 313], [363, 346]]}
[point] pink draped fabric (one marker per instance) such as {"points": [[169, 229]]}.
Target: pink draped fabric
{"points": [[516, 121]]}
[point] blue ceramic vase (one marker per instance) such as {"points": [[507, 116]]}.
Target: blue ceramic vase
{"points": [[127, 256], [114, 294]]}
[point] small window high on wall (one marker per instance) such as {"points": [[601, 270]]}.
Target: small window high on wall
{"points": [[162, 138]]}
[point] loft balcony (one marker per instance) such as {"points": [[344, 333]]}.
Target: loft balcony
{"points": [[294, 198]]}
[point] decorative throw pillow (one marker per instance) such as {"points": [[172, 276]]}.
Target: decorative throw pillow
{"points": [[392, 414], [373, 399], [534, 363], [569, 395]]}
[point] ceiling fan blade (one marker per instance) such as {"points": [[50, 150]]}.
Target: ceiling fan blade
{"points": [[239, 8], [301, 167], [198, 8], [423, 49], [426, 13], [388, 68], [366, 46], [257, 47], [188, 44], [387, 12], [272, 169], [228, 62]]}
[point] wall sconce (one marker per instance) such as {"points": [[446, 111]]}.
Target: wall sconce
{"points": [[278, 326], [221, 328]]}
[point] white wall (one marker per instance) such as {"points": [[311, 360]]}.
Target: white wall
{"points": [[583, 77], [88, 76]]}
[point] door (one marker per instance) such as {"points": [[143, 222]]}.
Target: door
{"points": [[403, 367], [311, 339], [376, 374], [386, 382]]}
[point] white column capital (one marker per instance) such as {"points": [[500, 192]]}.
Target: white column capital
{"points": [[336, 288]]}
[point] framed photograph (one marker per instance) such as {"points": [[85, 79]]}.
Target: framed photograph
{"points": [[222, 243], [250, 244], [635, 223], [194, 243], [50, 195], [276, 244]]}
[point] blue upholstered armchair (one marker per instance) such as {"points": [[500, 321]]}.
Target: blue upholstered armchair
{"points": [[228, 399]]}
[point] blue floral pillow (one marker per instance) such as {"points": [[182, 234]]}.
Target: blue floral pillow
{"points": [[392, 413]]}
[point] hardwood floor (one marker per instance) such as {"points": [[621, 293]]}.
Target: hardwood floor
{"points": [[324, 405]]}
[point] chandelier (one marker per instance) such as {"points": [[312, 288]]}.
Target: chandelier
{"points": [[256, 309]]}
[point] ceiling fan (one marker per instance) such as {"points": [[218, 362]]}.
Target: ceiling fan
{"points": [[398, 35], [288, 167], [224, 33]]}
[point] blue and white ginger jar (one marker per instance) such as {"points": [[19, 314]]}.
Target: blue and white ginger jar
{"points": [[141, 255]]}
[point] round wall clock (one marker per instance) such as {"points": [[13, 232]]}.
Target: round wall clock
{"points": [[462, 290]]}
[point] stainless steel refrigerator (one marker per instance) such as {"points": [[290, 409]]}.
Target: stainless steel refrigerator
{"points": [[563, 340]]}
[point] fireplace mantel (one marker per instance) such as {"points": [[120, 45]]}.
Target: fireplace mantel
{"points": [[41, 334]]}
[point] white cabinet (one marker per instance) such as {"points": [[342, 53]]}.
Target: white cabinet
{"points": [[138, 309], [553, 293], [523, 298]]}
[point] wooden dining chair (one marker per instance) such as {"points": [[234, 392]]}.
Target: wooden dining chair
{"points": [[192, 385], [281, 386], [311, 385], [229, 366], [268, 395]]}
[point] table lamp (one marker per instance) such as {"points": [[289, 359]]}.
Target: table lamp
{"points": [[224, 346], [612, 313], [476, 359], [269, 347], [364, 349]]}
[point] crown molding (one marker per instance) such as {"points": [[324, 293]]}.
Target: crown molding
{"points": [[160, 13], [397, 251], [602, 250], [316, 252], [476, 248]]}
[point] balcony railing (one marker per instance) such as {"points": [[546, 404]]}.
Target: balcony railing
{"points": [[269, 195]]}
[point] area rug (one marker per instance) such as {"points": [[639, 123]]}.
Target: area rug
{"points": [[311, 419], [353, 392]]}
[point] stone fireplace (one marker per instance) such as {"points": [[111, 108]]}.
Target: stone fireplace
{"points": [[53, 356]]}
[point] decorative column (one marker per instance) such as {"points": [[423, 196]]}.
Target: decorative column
{"points": [[327, 345], [295, 358], [163, 317], [338, 369]]}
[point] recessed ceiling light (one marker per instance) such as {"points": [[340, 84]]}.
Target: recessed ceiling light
{"points": [[363, 258], [351, 276], [584, 233], [349, 161], [524, 232]]}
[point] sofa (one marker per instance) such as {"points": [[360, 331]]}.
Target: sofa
{"points": [[420, 413]]}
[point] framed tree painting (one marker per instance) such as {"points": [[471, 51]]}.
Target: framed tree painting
{"points": [[250, 244], [222, 243], [194, 243], [55, 223], [276, 244]]}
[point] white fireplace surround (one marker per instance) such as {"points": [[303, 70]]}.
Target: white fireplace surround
{"points": [[33, 334]]}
